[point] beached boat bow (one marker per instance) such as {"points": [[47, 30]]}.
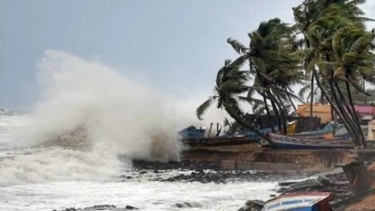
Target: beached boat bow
{"points": [[305, 201]]}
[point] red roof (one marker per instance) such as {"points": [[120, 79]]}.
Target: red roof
{"points": [[364, 109]]}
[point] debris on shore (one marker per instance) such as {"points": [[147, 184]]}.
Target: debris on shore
{"points": [[353, 187]]}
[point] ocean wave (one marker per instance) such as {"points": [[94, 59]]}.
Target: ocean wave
{"points": [[87, 115]]}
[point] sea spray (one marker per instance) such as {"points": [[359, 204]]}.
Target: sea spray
{"points": [[115, 112], [86, 118]]}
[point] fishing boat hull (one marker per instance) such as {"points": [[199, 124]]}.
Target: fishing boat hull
{"points": [[305, 201], [192, 136], [291, 129], [288, 142], [327, 129], [216, 141]]}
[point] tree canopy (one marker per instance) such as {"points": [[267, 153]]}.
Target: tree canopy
{"points": [[328, 51]]}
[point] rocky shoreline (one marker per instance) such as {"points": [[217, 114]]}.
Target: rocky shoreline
{"points": [[207, 172], [203, 172], [101, 207], [173, 165], [126, 208]]}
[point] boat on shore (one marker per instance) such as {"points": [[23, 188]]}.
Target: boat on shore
{"points": [[193, 136], [288, 142], [327, 129], [291, 129], [332, 131], [303, 201]]}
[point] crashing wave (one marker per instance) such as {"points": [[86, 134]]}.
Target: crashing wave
{"points": [[76, 139]]}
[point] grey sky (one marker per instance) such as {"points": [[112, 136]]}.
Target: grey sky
{"points": [[175, 46]]}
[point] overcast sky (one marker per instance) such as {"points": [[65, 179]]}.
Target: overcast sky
{"points": [[174, 46]]}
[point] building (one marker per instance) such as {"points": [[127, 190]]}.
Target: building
{"points": [[365, 112], [323, 111]]}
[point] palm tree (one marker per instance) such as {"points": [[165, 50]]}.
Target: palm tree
{"points": [[353, 59], [230, 84], [336, 41], [275, 63]]}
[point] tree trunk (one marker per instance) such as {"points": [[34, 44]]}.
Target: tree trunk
{"points": [[341, 105], [332, 111], [333, 106], [355, 115], [275, 111], [239, 120], [265, 104], [267, 110], [269, 97], [290, 99], [281, 113], [312, 96], [351, 115], [350, 109], [364, 88], [350, 122]]}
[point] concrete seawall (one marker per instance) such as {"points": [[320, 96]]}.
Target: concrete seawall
{"points": [[252, 157]]}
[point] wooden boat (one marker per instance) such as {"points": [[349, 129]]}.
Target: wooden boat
{"points": [[288, 142], [192, 132], [291, 129], [340, 133], [304, 201], [327, 129], [195, 137], [219, 140]]}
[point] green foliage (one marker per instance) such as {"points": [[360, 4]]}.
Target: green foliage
{"points": [[330, 34]]}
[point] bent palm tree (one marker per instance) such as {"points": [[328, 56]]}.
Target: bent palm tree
{"points": [[230, 84], [336, 41], [275, 63]]}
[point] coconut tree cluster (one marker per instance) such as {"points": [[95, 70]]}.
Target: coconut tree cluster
{"points": [[328, 49]]}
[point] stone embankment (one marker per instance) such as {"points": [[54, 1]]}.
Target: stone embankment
{"points": [[254, 157]]}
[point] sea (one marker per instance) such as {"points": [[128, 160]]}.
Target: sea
{"points": [[44, 178], [71, 148]]}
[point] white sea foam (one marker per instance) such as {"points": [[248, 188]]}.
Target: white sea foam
{"points": [[116, 113], [87, 115], [148, 196], [64, 152]]}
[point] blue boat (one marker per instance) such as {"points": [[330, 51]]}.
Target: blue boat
{"points": [[192, 132], [288, 142], [255, 138], [193, 136], [304, 201], [327, 129]]}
